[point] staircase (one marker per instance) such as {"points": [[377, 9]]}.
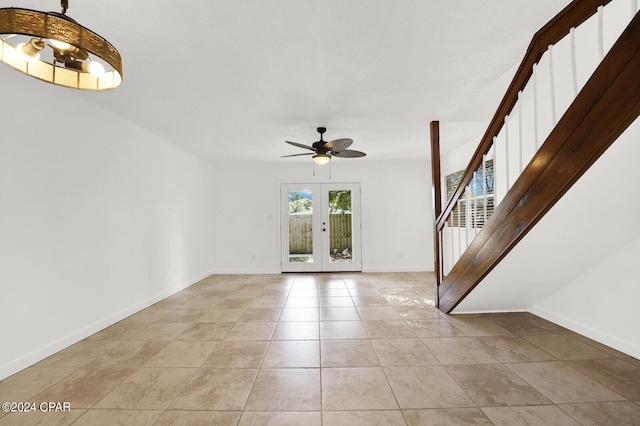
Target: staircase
{"points": [[574, 94]]}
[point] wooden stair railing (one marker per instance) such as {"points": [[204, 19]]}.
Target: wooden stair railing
{"points": [[608, 103]]}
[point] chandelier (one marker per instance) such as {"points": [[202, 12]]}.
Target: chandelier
{"points": [[54, 48]]}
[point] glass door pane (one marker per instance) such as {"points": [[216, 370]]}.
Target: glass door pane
{"points": [[340, 226], [300, 226]]}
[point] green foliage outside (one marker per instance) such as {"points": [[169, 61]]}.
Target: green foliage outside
{"points": [[298, 203], [340, 202]]}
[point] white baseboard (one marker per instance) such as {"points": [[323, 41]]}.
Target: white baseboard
{"points": [[268, 271], [49, 349], [624, 346], [396, 269], [492, 311]]}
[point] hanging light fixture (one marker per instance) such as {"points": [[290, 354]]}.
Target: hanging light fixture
{"points": [[54, 48], [321, 158]]}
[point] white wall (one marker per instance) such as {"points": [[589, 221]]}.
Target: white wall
{"points": [[397, 225], [98, 219], [601, 302]]}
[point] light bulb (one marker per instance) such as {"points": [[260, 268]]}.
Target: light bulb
{"points": [[96, 69], [59, 44], [30, 51]]}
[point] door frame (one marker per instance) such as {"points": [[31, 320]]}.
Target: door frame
{"points": [[320, 238]]}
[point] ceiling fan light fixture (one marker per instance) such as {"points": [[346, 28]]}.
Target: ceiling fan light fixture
{"points": [[69, 43], [324, 150], [321, 158]]}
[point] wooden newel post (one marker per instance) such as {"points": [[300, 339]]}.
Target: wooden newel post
{"points": [[436, 195]]}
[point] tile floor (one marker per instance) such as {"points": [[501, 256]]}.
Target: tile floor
{"points": [[328, 349]]}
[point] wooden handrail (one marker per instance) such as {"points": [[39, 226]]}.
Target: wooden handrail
{"points": [[604, 108], [555, 30]]}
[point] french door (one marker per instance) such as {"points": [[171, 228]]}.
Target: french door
{"points": [[320, 225]]}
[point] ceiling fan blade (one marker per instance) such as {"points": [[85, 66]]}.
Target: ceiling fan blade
{"points": [[299, 145], [348, 153], [297, 155], [339, 145]]}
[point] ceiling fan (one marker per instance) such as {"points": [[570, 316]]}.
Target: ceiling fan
{"points": [[323, 151]]}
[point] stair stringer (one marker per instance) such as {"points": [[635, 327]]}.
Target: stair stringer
{"points": [[571, 238]]}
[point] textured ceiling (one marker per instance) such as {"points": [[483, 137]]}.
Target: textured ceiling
{"points": [[232, 80]]}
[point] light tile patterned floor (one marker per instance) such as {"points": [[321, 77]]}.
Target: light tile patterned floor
{"points": [[328, 349]]}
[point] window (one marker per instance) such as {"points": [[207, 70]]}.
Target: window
{"points": [[477, 203]]}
